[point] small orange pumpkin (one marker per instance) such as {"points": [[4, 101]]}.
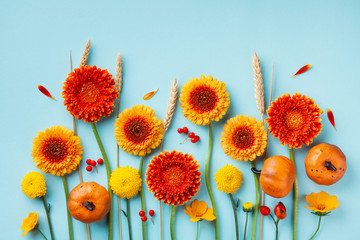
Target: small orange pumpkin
{"points": [[325, 164], [277, 176], [89, 202]]}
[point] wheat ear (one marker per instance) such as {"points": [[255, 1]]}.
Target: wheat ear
{"points": [[171, 106], [85, 55], [118, 78], [259, 86]]}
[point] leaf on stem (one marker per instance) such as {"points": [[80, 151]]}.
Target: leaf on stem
{"points": [[124, 213], [149, 95], [45, 92], [302, 70], [331, 117]]}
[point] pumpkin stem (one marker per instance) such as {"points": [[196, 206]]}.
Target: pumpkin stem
{"points": [[89, 205], [330, 166], [255, 171]]}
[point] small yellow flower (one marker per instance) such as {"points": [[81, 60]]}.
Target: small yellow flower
{"points": [[125, 182], [29, 223], [33, 185], [321, 202], [228, 179], [248, 207], [198, 211]]}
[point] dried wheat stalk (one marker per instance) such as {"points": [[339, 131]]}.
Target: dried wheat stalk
{"points": [[118, 78], [171, 106], [259, 86], [85, 55]]}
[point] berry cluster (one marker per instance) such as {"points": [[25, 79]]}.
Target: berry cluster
{"points": [[193, 138], [144, 217], [93, 163]]}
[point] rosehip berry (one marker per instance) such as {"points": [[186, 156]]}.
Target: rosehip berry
{"points": [[143, 218], [197, 137], [193, 140], [88, 162], [265, 211], [100, 161], [191, 135], [280, 211], [185, 130], [151, 212], [180, 130], [93, 163], [141, 213], [89, 168]]}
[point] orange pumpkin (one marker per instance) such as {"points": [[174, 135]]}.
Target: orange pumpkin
{"points": [[277, 176], [325, 164], [89, 202]]}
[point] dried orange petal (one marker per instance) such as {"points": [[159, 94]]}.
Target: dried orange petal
{"points": [[45, 92], [149, 95], [331, 117], [302, 70]]}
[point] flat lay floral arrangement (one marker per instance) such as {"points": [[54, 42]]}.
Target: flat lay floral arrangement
{"points": [[90, 93]]}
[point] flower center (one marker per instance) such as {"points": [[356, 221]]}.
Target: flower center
{"points": [[243, 138], [174, 176], [136, 130], [55, 150], [89, 93], [321, 206], [203, 99], [294, 120]]}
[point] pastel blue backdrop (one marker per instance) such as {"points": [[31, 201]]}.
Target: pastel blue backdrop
{"points": [[160, 41]]}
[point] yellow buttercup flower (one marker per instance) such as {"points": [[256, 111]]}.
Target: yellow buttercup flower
{"points": [[243, 138], [33, 185], [29, 223], [248, 207], [228, 179], [125, 182], [321, 202], [204, 100], [198, 211]]}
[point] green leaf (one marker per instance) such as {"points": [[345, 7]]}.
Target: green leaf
{"points": [[124, 213], [238, 203]]}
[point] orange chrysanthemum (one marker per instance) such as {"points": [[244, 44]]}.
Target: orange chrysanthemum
{"points": [[204, 100], [294, 120], [243, 138], [138, 130], [57, 150], [173, 177], [89, 93]]}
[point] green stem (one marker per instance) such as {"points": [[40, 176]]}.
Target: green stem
{"points": [[316, 229], [197, 229], [41, 233], [142, 196], [235, 216], [257, 202], [48, 218], [172, 222], [296, 196], [246, 221], [207, 170], [277, 229], [128, 217], [71, 234], [108, 173]]}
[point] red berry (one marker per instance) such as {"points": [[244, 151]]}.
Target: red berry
{"points": [[180, 130], [193, 140], [264, 210], [93, 163], [143, 218], [185, 130], [197, 138], [141, 213], [88, 162], [280, 211], [191, 135], [100, 161], [89, 168], [151, 212]]}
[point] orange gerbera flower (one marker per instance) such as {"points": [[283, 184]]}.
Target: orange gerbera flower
{"points": [[294, 120], [173, 177], [204, 100], [89, 93]]}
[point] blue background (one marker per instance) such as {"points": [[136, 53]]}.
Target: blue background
{"points": [[161, 40]]}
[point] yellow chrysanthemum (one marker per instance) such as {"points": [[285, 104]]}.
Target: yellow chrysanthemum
{"points": [[33, 185], [204, 100], [321, 202], [248, 207], [57, 150], [198, 211], [138, 130], [125, 182], [244, 138], [29, 223], [228, 179]]}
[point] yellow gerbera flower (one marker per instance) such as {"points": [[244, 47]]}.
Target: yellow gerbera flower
{"points": [[29, 223], [138, 130], [33, 185], [244, 138], [125, 182], [204, 100], [198, 211], [228, 179], [57, 151], [321, 202]]}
